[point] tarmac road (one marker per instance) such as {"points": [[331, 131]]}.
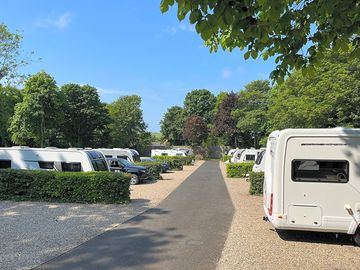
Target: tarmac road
{"points": [[186, 231]]}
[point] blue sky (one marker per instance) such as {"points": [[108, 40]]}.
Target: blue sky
{"points": [[126, 47]]}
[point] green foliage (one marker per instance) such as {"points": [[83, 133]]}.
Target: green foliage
{"points": [[172, 125], [84, 116], [200, 103], [154, 168], [127, 127], [75, 187], [226, 158], [256, 183], [296, 32], [9, 97], [38, 117], [238, 169], [176, 162], [11, 56], [251, 112], [328, 98]]}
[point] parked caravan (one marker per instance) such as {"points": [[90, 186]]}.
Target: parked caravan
{"points": [[259, 165], [125, 153], [70, 160], [232, 151], [167, 152], [245, 155], [312, 180], [187, 151]]}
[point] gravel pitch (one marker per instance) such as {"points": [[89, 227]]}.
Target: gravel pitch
{"points": [[31, 233], [254, 244]]}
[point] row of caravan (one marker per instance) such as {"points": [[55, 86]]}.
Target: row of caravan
{"points": [[182, 152], [72, 159], [249, 155]]}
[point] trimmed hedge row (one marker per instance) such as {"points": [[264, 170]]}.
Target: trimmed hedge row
{"points": [[154, 168], [226, 158], [256, 183], [238, 169], [74, 187], [176, 162]]}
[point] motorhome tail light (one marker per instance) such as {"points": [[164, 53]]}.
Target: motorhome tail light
{"points": [[271, 204]]}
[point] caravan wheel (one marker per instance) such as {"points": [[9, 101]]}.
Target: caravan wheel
{"points": [[134, 179], [357, 237]]}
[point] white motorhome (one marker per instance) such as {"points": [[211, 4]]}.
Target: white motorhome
{"points": [[167, 152], [52, 158], [245, 155], [130, 155], [312, 180], [259, 165]]}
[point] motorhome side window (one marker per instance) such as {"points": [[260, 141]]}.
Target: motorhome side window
{"points": [[71, 166], [46, 165], [250, 157], [320, 171], [5, 164]]}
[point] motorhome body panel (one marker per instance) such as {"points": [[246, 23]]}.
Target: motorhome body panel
{"points": [[312, 175]]}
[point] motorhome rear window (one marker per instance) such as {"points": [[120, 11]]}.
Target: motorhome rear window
{"points": [[46, 165], [327, 171], [250, 157], [71, 167], [5, 164]]}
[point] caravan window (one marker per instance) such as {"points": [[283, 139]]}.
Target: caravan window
{"points": [[249, 157], [46, 165], [5, 164], [71, 167], [320, 171], [259, 157]]}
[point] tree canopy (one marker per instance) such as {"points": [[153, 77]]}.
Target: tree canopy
{"points": [[195, 130], [172, 125], [200, 103], [296, 32]]}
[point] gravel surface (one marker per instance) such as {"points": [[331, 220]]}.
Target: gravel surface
{"points": [[253, 243], [34, 232]]}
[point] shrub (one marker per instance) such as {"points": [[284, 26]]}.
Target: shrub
{"points": [[176, 162], [256, 183], [75, 187], [154, 168], [226, 158], [238, 169]]}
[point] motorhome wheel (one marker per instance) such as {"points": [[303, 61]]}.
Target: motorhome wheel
{"points": [[357, 237], [134, 179]]}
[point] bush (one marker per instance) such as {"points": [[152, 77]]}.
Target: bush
{"points": [[154, 168], [176, 162], [226, 158], [74, 187], [238, 169], [256, 183]]}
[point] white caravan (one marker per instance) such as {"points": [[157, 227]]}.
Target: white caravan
{"points": [[245, 155], [232, 151], [167, 152], [52, 158], [259, 165], [187, 151], [130, 155], [312, 180]]}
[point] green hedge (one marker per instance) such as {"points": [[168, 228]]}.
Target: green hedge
{"points": [[75, 187], [176, 162], [256, 183], [238, 169], [226, 158], [154, 168]]}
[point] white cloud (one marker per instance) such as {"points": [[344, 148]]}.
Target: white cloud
{"points": [[172, 30], [60, 22]]}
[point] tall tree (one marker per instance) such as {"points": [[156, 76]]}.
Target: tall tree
{"points": [[127, 127], [9, 97], [195, 130], [172, 125], [38, 117], [328, 98], [225, 122], [251, 113], [11, 56], [297, 32], [84, 115], [200, 103]]}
